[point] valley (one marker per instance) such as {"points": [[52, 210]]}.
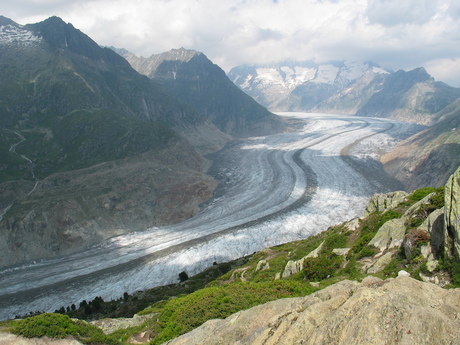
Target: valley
{"points": [[273, 189]]}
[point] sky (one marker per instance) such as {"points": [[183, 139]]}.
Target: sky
{"points": [[396, 34]]}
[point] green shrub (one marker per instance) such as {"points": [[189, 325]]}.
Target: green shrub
{"points": [[48, 324], [60, 326], [437, 200], [334, 241], [316, 269], [352, 270], [367, 251], [453, 268]]}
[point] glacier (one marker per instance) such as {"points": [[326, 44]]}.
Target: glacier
{"points": [[274, 189]]}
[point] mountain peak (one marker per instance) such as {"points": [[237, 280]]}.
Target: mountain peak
{"points": [[7, 21], [148, 66], [180, 54]]}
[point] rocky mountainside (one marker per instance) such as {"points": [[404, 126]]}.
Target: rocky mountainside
{"points": [[429, 157], [346, 88], [191, 76], [89, 147]]}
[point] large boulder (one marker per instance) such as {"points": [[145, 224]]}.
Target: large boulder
{"points": [[452, 213], [390, 235], [434, 226]]}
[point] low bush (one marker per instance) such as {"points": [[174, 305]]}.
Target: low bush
{"points": [[60, 326], [316, 269]]}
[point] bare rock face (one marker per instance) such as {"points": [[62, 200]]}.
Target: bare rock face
{"points": [[383, 202], [394, 311], [390, 235], [452, 211]]}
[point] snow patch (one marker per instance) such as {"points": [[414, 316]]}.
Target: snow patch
{"points": [[10, 34]]}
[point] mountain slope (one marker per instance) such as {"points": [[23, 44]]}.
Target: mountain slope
{"points": [[429, 157], [191, 76], [90, 148]]}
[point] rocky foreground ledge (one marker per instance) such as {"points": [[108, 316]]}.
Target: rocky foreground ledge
{"points": [[394, 311]]}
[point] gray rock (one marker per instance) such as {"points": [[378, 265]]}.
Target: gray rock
{"points": [[383, 202], [352, 225], [434, 225], [11, 339], [341, 251], [432, 265], [111, 325], [403, 273], [292, 267], [452, 213], [390, 235], [381, 263], [262, 265], [314, 253]]}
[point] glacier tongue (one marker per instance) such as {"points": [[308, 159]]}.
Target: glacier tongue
{"points": [[279, 188]]}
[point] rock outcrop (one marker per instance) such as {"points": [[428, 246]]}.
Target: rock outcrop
{"points": [[452, 211], [394, 311], [390, 235], [383, 202], [294, 267]]}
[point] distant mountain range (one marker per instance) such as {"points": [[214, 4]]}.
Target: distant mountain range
{"points": [[363, 89], [91, 149]]}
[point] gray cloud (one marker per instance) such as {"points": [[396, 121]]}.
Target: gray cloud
{"points": [[395, 12]]}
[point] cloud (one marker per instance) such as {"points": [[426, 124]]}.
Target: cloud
{"points": [[395, 12], [396, 34], [446, 70]]}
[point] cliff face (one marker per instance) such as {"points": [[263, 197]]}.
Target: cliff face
{"points": [[452, 213], [393, 311]]}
